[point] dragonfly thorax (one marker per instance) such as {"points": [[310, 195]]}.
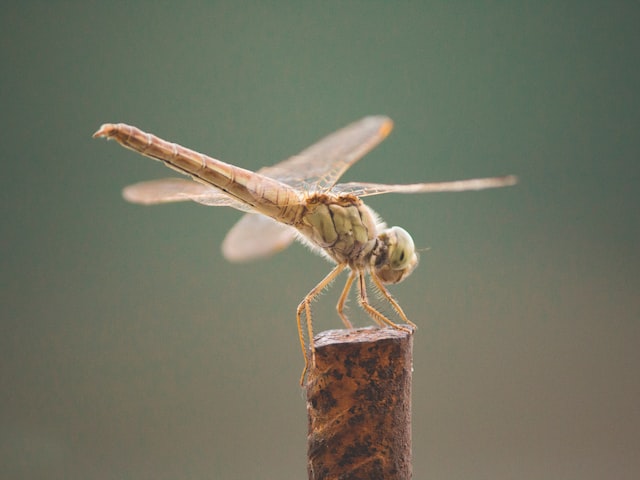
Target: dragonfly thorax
{"points": [[394, 256], [342, 227]]}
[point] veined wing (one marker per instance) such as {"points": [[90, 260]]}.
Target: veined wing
{"points": [[315, 169], [318, 168], [368, 189], [256, 236], [168, 190]]}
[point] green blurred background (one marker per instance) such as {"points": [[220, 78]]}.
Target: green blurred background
{"points": [[129, 348]]}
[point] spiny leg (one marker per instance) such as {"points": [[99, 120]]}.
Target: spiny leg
{"points": [[364, 302], [378, 317], [305, 306], [343, 299], [396, 306]]}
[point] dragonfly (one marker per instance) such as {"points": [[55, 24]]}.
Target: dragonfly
{"points": [[299, 199]]}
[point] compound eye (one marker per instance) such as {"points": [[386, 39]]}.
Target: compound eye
{"points": [[401, 257], [402, 251]]}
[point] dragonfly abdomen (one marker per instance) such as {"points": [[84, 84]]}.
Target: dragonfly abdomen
{"points": [[265, 195]]}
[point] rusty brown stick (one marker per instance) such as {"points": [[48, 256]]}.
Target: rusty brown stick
{"points": [[359, 405]]}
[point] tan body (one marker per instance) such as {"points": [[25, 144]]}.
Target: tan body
{"points": [[299, 195]]}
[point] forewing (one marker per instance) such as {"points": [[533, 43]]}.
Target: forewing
{"points": [[256, 236], [318, 168], [368, 189], [168, 190]]}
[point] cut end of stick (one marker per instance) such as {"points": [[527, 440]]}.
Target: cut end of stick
{"points": [[362, 335]]}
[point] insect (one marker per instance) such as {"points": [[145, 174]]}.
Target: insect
{"points": [[298, 198]]}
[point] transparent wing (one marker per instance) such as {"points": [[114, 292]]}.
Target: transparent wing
{"points": [[256, 236], [368, 189], [168, 190], [318, 168]]}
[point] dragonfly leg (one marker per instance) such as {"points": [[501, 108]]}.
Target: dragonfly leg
{"points": [[378, 317], [396, 306], [343, 299], [305, 306], [302, 345]]}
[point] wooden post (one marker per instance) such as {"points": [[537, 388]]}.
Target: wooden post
{"points": [[359, 405]]}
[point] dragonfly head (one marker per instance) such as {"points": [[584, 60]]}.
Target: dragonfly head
{"points": [[395, 257]]}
